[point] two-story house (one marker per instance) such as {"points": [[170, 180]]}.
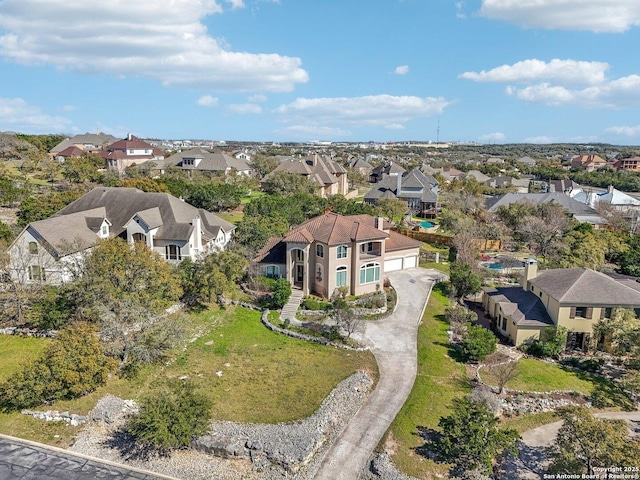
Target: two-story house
{"points": [[130, 151], [419, 190], [332, 251], [49, 250], [199, 159], [574, 298]]}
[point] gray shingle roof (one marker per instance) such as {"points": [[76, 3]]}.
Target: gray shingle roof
{"points": [[215, 160], [414, 179], [572, 206], [525, 308], [582, 286]]}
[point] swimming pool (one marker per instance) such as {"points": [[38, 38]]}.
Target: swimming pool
{"points": [[427, 224]]}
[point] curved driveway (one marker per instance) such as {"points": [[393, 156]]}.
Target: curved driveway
{"points": [[393, 341]]}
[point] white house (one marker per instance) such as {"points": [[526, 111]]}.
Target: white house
{"points": [[49, 250]]}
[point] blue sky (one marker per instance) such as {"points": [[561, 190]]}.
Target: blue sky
{"points": [[489, 71]]}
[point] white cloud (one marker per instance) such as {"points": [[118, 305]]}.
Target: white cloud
{"points": [[593, 15], [625, 131], [316, 132], [394, 126], [401, 70], [208, 101], [245, 109], [373, 110], [236, 4], [164, 39], [460, 10], [527, 71], [18, 115], [621, 93], [541, 139], [257, 98], [494, 137]]}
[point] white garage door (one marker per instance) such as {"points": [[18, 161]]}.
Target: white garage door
{"points": [[410, 262], [392, 265]]}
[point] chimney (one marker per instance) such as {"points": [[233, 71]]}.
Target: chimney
{"points": [[380, 223], [129, 137], [610, 189], [197, 234], [398, 184], [530, 272]]}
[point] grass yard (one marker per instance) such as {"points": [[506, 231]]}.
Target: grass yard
{"points": [[439, 381], [16, 350], [265, 377], [233, 217], [539, 376]]}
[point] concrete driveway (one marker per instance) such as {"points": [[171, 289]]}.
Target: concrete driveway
{"points": [[393, 341]]}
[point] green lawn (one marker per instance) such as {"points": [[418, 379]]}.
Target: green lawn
{"points": [[269, 377], [538, 376], [16, 350], [233, 217], [439, 380]]}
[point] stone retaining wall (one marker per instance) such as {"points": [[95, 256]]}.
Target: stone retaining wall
{"points": [[28, 332], [300, 336]]}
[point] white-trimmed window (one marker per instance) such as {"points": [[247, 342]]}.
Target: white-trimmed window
{"points": [[272, 271], [105, 230], [369, 272], [36, 273], [341, 276], [300, 255], [172, 252], [319, 251], [342, 251]]}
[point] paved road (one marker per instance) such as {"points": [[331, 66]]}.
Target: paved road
{"points": [[393, 341], [21, 459], [532, 461]]}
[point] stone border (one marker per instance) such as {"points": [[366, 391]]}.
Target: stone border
{"points": [[28, 332], [300, 336]]}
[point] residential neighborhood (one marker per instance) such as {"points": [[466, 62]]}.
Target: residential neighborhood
{"points": [[312, 288]]}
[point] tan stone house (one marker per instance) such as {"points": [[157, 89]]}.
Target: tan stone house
{"points": [[574, 298], [329, 176], [332, 251]]}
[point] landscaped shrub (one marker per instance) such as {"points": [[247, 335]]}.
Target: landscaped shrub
{"points": [[280, 294], [590, 365], [73, 365], [310, 303], [552, 341], [170, 418], [478, 343]]}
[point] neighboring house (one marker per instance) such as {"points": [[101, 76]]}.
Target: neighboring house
{"points": [[520, 185], [332, 251], [579, 211], [361, 165], [69, 152], [130, 151], [329, 176], [527, 161], [563, 186], [86, 142], [478, 175], [589, 163], [420, 191], [48, 249], [615, 198], [449, 174], [199, 159], [390, 169], [494, 160], [574, 298], [631, 164], [242, 155]]}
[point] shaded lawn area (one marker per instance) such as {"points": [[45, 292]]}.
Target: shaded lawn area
{"points": [[16, 350], [440, 379], [233, 217], [270, 378], [539, 376]]}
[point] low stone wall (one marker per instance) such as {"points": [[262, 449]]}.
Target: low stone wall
{"points": [[300, 336], [537, 402], [55, 416], [28, 332], [288, 445]]}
